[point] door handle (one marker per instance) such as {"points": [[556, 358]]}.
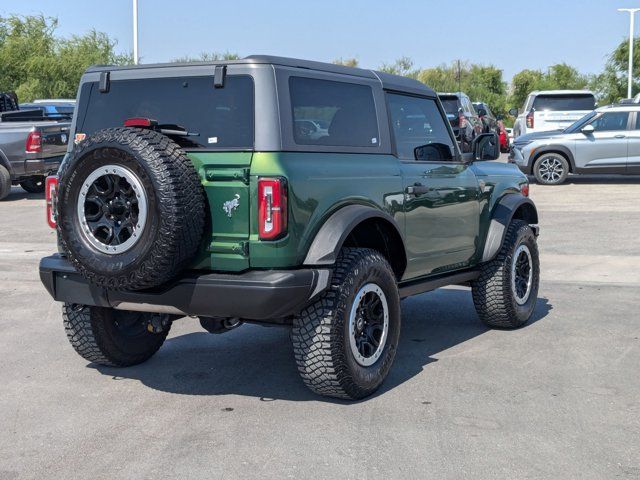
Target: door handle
{"points": [[417, 189], [620, 136]]}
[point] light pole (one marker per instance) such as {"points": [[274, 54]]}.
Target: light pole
{"points": [[632, 12], [135, 32]]}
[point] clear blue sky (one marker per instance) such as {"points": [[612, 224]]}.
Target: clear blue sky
{"points": [[511, 34]]}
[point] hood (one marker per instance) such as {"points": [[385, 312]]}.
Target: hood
{"points": [[530, 137]]}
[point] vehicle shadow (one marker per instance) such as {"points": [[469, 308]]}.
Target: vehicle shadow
{"points": [[596, 179], [17, 193], [257, 361]]}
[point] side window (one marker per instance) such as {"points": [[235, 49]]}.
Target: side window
{"points": [[637, 127], [333, 113], [611, 121], [416, 122]]}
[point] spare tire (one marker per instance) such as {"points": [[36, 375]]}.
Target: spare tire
{"points": [[130, 208]]}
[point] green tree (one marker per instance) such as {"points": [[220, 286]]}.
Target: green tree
{"points": [[611, 85], [208, 57], [481, 82], [402, 66], [36, 63], [557, 77], [523, 83], [347, 62]]}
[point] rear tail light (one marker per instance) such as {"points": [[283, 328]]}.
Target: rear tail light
{"points": [[51, 197], [272, 208], [462, 121], [530, 119], [34, 142], [140, 122], [524, 189]]}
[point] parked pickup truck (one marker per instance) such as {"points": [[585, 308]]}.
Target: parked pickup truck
{"points": [[31, 147]]}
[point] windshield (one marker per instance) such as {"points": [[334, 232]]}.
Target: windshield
{"points": [[564, 102], [578, 124]]}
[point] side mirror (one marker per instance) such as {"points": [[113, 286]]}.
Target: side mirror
{"points": [[588, 129], [482, 112], [513, 112], [486, 146], [433, 152]]}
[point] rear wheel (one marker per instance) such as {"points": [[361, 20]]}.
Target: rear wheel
{"points": [[5, 182], [345, 342], [551, 169], [33, 184], [115, 338]]}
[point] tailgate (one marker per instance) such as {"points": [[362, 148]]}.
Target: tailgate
{"points": [[53, 145], [225, 177], [54, 139], [552, 120]]}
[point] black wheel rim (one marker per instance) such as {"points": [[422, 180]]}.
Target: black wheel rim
{"points": [[521, 274], [112, 208], [368, 324]]}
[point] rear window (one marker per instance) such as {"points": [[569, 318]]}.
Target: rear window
{"points": [[221, 117], [451, 105], [564, 102], [333, 113]]}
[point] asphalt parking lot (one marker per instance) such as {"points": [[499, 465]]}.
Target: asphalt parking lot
{"points": [[559, 398]]}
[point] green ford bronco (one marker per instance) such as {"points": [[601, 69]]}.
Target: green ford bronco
{"points": [[278, 191]]}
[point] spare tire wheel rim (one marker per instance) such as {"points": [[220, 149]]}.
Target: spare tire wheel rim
{"points": [[368, 324], [521, 274], [112, 209]]}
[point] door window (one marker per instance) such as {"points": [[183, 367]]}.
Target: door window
{"points": [[416, 122], [611, 121]]}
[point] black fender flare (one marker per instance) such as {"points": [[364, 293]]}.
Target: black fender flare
{"points": [[501, 217], [555, 148], [328, 241]]}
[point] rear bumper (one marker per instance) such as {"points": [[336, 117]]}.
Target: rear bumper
{"points": [[41, 166], [253, 295]]}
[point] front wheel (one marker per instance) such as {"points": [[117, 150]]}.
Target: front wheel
{"points": [[345, 342], [114, 338], [551, 169], [506, 291]]}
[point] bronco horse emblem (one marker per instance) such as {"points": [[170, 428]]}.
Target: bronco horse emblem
{"points": [[230, 205]]}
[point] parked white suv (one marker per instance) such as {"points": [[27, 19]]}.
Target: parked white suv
{"points": [[552, 110]]}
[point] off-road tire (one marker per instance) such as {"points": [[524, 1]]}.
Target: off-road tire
{"points": [[5, 182], [175, 213], [320, 333], [33, 184], [493, 295], [94, 335], [562, 166]]}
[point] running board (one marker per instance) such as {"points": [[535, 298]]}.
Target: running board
{"points": [[416, 287]]}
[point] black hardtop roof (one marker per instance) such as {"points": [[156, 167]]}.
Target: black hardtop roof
{"points": [[389, 81]]}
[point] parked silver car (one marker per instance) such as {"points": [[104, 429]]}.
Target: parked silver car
{"points": [[606, 140]]}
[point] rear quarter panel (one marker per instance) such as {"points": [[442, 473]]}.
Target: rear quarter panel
{"points": [[320, 184]]}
